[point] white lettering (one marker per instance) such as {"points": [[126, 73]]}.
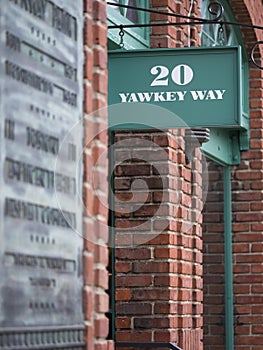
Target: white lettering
{"points": [[124, 97], [210, 95], [199, 94], [182, 74], [133, 97], [181, 95], [171, 96], [220, 94], [163, 73], [145, 96], [158, 97], [207, 94]]}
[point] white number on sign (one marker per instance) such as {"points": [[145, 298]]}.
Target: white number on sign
{"points": [[163, 73], [181, 75]]}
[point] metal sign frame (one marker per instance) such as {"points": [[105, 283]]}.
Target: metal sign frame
{"points": [[202, 87]]}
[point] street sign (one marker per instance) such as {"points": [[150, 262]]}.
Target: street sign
{"points": [[202, 87]]}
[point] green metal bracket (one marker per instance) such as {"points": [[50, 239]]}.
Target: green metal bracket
{"points": [[244, 136], [235, 147], [223, 147]]}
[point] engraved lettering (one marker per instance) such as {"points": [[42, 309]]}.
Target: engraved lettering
{"points": [[29, 78], [42, 282], [69, 71], [43, 262], [72, 152], [18, 209], [65, 184], [9, 129], [35, 7], [41, 90], [70, 98], [44, 306], [49, 61], [61, 20], [13, 42], [39, 140], [36, 176]]}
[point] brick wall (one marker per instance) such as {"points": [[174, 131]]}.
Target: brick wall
{"points": [[247, 206], [247, 221], [95, 255], [171, 36], [159, 281]]}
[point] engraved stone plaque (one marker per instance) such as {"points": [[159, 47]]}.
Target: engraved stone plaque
{"points": [[40, 205]]}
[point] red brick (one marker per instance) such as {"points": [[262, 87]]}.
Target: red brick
{"points": [[165, 308], [132, 169], [166, 252], [88, 268], [123, 322], [88, 67], [101, 326], [134, 253], [169, 280], [102, 345], [128, 281], [149, 323], [100, 82], [102, 302], [99, 11], [133, 308], [133, 336], [101, 278], [88, 108], [101, 254], [88, 304], [100, 34], [89, 336], [122, 294], [123, 267], [151, 294], [166, 335], [151, 267]]}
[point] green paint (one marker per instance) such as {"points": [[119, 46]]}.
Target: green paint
{"points": [[229, 310], [202, 86], [134, 38], [223, 146], [111, 242]]}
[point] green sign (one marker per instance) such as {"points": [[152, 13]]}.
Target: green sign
{"points": [[200, 87]]}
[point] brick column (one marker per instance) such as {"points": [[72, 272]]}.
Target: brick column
{"points": [[95, 255], [158, 240]]}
